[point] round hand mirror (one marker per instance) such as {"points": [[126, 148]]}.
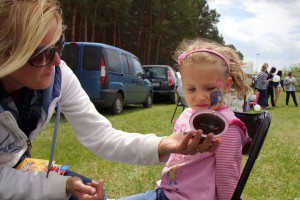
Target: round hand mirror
{"points": [[209, 121]]}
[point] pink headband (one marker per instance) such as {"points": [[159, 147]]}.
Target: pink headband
{"points": [[182, 56]]}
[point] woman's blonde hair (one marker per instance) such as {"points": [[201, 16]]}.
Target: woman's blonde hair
{"points": [[235, 72], [23, 26]]}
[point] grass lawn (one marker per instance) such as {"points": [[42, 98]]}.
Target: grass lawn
{"points": [[274, 176]]}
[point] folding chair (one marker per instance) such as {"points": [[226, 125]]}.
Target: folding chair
{"points": [[257, 125], [180, 102]]}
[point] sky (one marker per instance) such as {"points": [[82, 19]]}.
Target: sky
{"points": [[264, 31]]}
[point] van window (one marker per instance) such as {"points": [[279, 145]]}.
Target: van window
{"points": [[91, 58], [114, 61], [130, 63], [138, 67], [125, 64], [70, 56]]}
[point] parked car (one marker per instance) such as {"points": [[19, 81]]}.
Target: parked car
{"points": [[112, 77], [164, 80]]}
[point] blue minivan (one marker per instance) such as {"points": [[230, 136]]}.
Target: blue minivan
{"points": [[112, 77]]}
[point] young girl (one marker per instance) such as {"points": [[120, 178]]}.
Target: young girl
{"points": [[205, 68]]}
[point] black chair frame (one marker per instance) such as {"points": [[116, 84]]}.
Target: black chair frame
{"points": [[180, 103], [257, 126]]}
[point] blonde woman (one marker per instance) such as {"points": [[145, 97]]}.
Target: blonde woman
{"points": [[34, 82]]}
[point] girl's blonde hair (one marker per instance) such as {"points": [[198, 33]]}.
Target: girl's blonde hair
{"points": [[235, 72], [23, 26]]}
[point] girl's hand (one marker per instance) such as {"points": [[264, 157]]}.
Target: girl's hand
{"points": [[92, 191], [186, 143]]}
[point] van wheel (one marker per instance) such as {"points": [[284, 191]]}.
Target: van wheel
{"points": [[117, 106], [149, 101]]}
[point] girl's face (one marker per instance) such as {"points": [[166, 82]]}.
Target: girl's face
{"points": [[33, 77], [200, 80]]}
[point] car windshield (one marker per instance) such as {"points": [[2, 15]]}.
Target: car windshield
{"points": [[155, 72]]}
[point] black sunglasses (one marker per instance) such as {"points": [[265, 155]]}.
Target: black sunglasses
{"points": [[45, 57]]}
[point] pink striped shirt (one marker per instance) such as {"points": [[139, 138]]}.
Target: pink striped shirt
{"points": [[205, 175]]}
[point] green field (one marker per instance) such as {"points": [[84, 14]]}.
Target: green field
{"points": [[275, 174]]}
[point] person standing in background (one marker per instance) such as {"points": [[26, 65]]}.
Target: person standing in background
{"points": [[261, 86], [278, 87], [290, 87], [270, 88]]}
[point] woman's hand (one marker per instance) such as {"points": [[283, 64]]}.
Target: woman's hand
{"points": [[92, 191], [187, 143]]}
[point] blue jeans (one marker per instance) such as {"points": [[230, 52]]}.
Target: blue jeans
{"points": [[157, 194]]}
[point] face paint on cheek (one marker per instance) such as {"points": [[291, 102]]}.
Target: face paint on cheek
{"points": [[215, 97], [220, 84]]}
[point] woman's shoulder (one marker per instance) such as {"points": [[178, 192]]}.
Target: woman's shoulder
{"points": [[66, 72], [64, 67]]}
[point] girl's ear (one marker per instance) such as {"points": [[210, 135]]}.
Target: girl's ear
{"points": [[228, 84]]}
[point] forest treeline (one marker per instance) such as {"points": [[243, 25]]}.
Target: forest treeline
{"points": [[150, 29]]}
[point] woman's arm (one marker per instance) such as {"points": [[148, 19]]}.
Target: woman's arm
{"points": [[26, 185], [96, 133]]}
